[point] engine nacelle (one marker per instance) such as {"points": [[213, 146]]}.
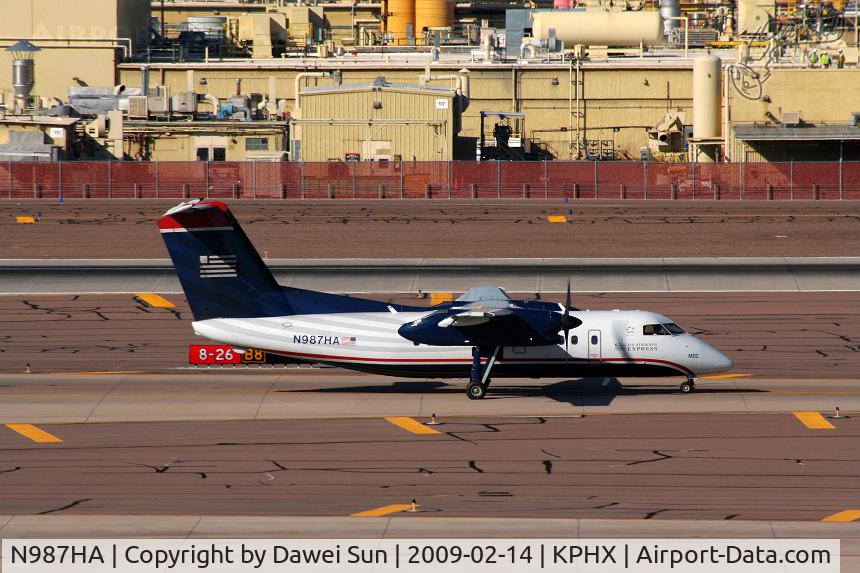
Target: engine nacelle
{"points": [[517, 327]]}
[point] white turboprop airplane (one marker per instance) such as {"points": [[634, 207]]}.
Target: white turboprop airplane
{"points": [[236, 301]]}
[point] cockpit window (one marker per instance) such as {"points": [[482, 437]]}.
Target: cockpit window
{"points": [[655, 330], [673, 328]]}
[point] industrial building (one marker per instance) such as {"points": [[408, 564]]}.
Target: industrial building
{"points": [[378, 121], [79, 45], [204, 141], [589, 81], [37, 138]]}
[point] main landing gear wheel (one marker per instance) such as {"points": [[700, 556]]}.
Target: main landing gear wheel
{"points": [[479, 378], [476, 391], [688, 386]]}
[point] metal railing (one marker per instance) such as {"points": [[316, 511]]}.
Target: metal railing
{"points": [[431, 180]]}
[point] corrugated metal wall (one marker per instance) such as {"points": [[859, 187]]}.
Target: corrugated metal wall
{"points": [[420, 126]]}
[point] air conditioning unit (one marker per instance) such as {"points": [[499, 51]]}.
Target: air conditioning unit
{"points": [[158, 104], [791, 118], [185, 102], [138, 108], [241, 101]]}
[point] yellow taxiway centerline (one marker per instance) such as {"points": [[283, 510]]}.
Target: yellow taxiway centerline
{"points": [[34, 433], [100, 372], [154, 300], [814, 421], [411, 425], [843, 516], [723, 376], [384, 510], [557, 219]]}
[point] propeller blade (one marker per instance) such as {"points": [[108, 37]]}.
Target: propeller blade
{"points": [[565, 321], [567, 299]]}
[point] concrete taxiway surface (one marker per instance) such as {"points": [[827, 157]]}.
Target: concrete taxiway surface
{"points": [[171, 451], [785, 335], [709, 467], [445, 229], [303, 394]]}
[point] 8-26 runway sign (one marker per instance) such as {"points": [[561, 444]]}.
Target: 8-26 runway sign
{"points": [[223, 354]]}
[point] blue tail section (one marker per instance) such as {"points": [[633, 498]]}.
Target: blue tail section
{"points": [[223, 276], [221, 273]]}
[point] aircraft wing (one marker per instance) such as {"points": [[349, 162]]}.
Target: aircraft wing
{"points": [[484, 294]]}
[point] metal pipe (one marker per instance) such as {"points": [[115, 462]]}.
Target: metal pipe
{"points": [[578, 112], [298, 81], [126, 49], [514, 89], [428, 77], [144, 80], [726, 112], [570, 107], [462, 85]]}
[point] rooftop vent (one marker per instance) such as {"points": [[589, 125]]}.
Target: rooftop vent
{"points": [[791, 118]]}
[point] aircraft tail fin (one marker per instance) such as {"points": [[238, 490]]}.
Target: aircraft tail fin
{"points": [[221, 273]]}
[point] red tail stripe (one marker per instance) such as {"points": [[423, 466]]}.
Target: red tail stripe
{"points": [[195, 218]]}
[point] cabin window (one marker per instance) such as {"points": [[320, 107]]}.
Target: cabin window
{"points": [[654, 330], [594, 339], [673, 328], [574, 339]]}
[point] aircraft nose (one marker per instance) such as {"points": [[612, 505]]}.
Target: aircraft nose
{"points": [[716, 361]]}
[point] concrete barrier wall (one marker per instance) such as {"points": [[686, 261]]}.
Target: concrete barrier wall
{"points": [[802, 274]]}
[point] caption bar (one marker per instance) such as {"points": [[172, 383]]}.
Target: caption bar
{"points": [[420, 556]]}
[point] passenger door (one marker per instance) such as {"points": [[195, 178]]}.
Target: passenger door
{"points": [[594, 345]]}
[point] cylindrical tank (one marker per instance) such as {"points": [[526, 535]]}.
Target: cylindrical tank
{"points": [[23, 77], [600, 28], [670, 9], [401, 13], [432, 14], [706, 96]]}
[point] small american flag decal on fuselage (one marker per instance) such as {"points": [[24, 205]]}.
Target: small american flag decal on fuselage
{"points": [[218, 266]]}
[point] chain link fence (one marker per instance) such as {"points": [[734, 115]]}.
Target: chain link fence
{"points": [[431, 180]]}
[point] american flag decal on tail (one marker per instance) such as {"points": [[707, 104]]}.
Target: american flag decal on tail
{"points": [[218, 266]]}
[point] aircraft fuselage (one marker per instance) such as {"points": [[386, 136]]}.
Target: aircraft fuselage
{"points": [[607, 343]]}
